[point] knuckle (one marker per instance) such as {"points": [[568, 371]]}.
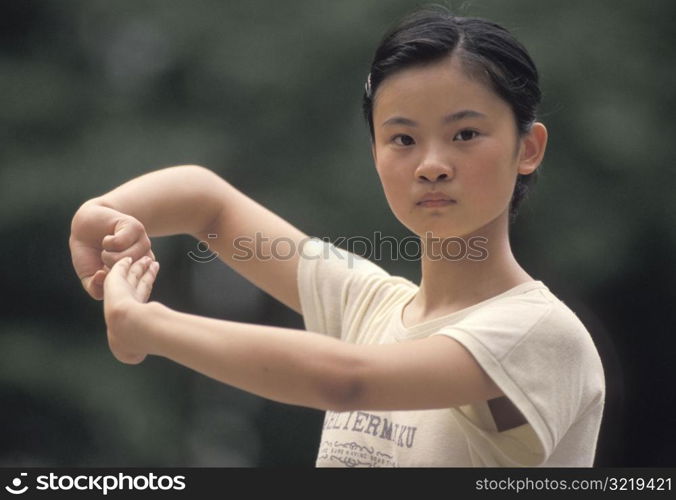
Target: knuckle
{"points": [[133, 221], [111, 243], [136, 225]]}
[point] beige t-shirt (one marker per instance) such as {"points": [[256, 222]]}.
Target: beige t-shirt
{"points": [[528, 341]]}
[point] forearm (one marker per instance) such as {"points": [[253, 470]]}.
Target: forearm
{"points": [[281, 364], [174, 200]]}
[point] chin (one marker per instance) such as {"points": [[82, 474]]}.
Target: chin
{"points": [[441, 231], [442, 227]]}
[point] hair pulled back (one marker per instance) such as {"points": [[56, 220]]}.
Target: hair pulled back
{"points": [[488, 52]]}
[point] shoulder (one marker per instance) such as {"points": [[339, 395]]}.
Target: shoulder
{"points": [[543, 341], [542, 357], [560, 328], [534, 316], [532, 334], [337, 286]]}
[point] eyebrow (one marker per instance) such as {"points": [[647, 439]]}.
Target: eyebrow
{"points": [[453, 117]]}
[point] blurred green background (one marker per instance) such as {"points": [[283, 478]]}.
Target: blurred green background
{"points": [[268, 95]]}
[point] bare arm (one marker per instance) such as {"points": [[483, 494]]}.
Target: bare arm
{"points": [[173, 200], [287, 365], [312, 370], [183, 200]]}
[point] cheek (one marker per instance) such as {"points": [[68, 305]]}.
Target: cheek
{"points": [[492, 181], [389, 185], [396, 188], [388, 171]]}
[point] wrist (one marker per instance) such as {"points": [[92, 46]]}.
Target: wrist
{"points": [[132, 328], [147, 319], [92, 221]]}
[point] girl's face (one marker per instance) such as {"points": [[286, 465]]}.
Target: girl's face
{"points": [[447, 150]]}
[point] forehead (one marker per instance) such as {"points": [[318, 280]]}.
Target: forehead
{"points": [[437, 88]]}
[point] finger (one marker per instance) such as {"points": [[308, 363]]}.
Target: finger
{"points": [[145, 284], [109, 243], [93, 288], [118, 272], [137, 270], [99, 277], [96, 284], [121, 267], [86, 258], [126, 232], [135, 251]]}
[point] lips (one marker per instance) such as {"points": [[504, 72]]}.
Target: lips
{"points": [[435, 199]]}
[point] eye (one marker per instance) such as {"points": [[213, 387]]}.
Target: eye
{"points": [[403, 140], [466, 135]]}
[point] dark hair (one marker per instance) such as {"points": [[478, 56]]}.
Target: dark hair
{"points": [[488, 52]]}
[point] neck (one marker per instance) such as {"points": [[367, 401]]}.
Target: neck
{"points": [[478, 267]]}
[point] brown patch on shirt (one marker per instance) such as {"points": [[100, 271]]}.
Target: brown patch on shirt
{"points": [[505, 414]]}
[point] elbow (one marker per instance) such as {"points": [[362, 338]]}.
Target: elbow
{"points": [[343, 386], [192, 174], [193, 170]]}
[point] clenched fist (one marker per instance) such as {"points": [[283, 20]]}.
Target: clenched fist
{"points": [[101, 236]]}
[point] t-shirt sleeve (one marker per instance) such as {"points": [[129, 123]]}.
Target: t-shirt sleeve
{"points": [[328, 277], [544, 361]]}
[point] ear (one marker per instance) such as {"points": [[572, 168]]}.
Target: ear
{"points": [[533, 149], [373, 151]]}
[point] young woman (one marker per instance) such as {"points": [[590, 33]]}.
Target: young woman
{"points": [[478, 365]]}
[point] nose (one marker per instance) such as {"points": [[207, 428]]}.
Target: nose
{"points": [[433, 169]]}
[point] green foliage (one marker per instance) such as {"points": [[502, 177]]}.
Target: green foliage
{"points": [[268, 94]]}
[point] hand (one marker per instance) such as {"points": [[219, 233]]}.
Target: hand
{"points": [[126, 287], [101, 236]]}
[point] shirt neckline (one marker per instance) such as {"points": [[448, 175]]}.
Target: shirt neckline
{"points": [[419, 329]]}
